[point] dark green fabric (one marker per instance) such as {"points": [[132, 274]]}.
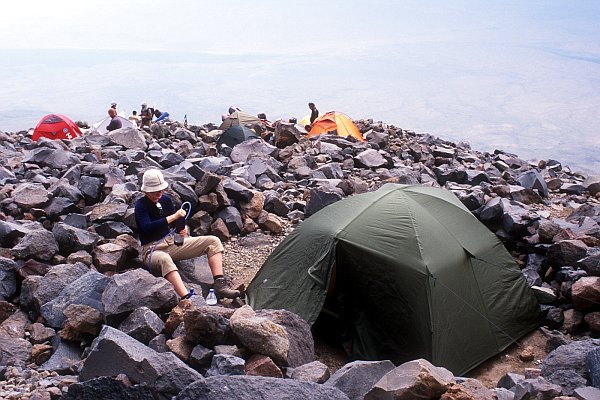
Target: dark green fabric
{"points": [[235, 135], [417, 275]]}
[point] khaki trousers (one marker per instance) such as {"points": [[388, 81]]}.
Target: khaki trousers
{"points": [[166, 252]]}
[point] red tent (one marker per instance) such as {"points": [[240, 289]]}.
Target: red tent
{"points": [[56, 126]]}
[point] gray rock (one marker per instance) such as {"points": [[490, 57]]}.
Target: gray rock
{"points": [[315, 371], [14, 351], [320, 198], [201, 357], [150, 291], [159, 343], [11, 232], [91, 188], [38, 244], [60, 206], [587, 393], [208, 326], [106, 212], [46, 288], [510, 380], [8, 277], [301, 344], [86, 290], [225, 364], [56, 158], [105, 387], [571, 356], [260, 335], [418, 378], [232, 218], [142, 324], [355, 379], [129, 138], [30, 195], [567, 380], [538, 388], [71, 239], [64, 359], [532, 179], [114, 352], [592, 363], [257, 387], [112, 229]]}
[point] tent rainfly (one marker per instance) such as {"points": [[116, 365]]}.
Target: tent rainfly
{"points": [[409, 272], [100, 127], [56, 126]]}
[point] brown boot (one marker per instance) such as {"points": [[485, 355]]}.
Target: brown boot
{"points": [[222, 289]]}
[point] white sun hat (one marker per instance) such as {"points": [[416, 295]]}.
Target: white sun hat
{"points": [[153, 181]]}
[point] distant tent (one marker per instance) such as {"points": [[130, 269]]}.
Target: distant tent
{"points": [[56, 126], [100, 127], [407, 272], [235, 135], [333, 121], [239, 118]]}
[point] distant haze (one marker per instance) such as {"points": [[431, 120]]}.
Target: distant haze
{"points": [[522, 76]]}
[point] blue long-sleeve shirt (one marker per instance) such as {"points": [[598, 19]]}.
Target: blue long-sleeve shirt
{"points": [[164, 116], [152, 220]]}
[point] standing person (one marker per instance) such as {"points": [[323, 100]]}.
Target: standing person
{"points": [[156, 218], [146, 115], [314, 113], [115, 123]]}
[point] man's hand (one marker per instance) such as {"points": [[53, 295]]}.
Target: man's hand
{"points": [[184, 231]]}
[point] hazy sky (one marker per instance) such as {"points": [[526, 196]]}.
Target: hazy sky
{"points": [[289, 27], [521, 75]]}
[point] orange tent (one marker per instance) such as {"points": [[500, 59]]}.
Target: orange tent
{"points": [[56, 126], [335, 121]]}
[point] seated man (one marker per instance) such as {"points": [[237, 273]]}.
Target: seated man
{"points": [[136, 119], [157, 221], [115, 123]]}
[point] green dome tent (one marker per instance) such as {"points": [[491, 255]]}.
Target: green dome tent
{"points": [[410, 272], [235, 135]]}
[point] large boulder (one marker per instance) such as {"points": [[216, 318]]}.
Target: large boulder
{"points": [[130, 138], [358, 377], [106, 387], [114, 352], [38, 244], [570, 357], [585, 293], [71, 239], [413, 379], [137, 288], [87, 290], [257, 387], [261, 335]]}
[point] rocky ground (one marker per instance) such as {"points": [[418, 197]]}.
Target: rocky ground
{"points": [[69, 258]]}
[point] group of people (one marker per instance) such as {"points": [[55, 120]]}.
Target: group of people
{"points": [[141, 120]]}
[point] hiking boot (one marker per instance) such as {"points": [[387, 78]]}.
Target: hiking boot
{"points": [[222, 289]]}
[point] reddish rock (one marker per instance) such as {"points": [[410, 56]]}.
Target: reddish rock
{"points": [[585, 293], [259, 365], [79, 320], [181, 348], [573, 320]]}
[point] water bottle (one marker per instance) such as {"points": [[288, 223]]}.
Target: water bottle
{"points": [[211, 299]]}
